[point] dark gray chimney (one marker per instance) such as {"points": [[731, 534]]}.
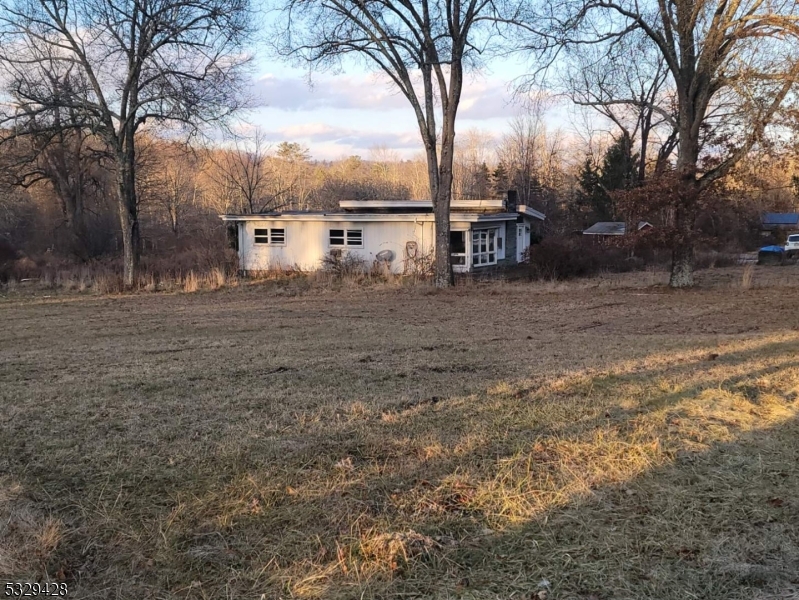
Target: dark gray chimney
{"points": [[512, 201]]}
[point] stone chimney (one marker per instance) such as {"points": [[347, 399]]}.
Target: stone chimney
{"points": [[512, 201]]}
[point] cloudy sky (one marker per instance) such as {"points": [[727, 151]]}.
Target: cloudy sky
{"points": [[348, 113]]}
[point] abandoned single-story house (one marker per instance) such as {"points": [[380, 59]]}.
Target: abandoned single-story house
{"points": [[400, 233], [614, 228]]}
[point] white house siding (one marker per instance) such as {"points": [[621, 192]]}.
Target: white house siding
{"points": [[307, 242]]}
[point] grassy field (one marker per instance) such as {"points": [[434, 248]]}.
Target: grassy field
{"points": [[596, 440]]}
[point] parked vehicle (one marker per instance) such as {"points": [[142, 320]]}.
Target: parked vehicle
{"points": [[792, 245], [771, 255]]}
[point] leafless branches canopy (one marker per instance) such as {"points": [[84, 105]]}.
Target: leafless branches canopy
{"points": [[423, 46], [116, 66]]}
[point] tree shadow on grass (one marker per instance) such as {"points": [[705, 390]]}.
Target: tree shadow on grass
{"points": [[691, 515], [675, 479], [723, 523]]}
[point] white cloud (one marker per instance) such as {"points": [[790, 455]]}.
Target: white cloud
{"points": [[487, 100], [343, 92], [350, 113], [328, 141], [482, 98]]}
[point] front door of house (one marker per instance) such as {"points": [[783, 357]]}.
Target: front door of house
{"points": [[457, 245], [522, 241]]}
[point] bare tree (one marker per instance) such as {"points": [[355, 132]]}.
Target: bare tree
{"points": [[385, 164], [168, 181], [289, 174], [241, 177], [423, 46], [531, 153], [123, 64], [732, 65], [57, 149], [471, 173], [521, 152], [634, 95], [69, 163]]}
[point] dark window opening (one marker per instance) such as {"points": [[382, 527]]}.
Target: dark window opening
{"points": [[261, 236], [336, 237], [354, 237], [278, 236], [457, 242]]}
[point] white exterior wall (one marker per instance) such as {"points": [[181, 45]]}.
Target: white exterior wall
{"points": [[307, 241]]}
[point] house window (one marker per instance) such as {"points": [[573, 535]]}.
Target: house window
{"points": [[351, 238], [278, 236], [355, 237], [484, 247], [272, 237]]}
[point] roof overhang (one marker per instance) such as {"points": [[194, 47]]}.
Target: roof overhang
{"points": [[530, 212], [481, 217], [488, 203]]}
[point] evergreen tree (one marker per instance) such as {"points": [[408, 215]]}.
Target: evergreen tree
{"points": [[619, 170], [591, 197], [481, 181], [500, 181]]}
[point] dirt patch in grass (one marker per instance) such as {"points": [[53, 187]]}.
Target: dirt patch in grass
{"points": [[590, 441]]}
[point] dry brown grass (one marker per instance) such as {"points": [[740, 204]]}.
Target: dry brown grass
{"points": [[191, 283], [603, 440], [748, 276]]}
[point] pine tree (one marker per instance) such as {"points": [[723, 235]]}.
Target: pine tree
{"points": [[618, 172], [619, 165], [481, 181], [591, 197], [500, 181]]}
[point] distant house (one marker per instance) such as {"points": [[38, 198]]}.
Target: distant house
{"points": [[779, 221], [608, 228], [484, 233]]}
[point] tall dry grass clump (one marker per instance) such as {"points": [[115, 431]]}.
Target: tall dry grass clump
{"points": [[217, 278], [191, 283], [108, 283], [748, 276]]}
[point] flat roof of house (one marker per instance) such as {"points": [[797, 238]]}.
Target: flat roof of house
{"points": [[494, 203], [403, 210], [347, 216]]}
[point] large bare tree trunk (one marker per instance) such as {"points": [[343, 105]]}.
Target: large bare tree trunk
{"points": [[682, 259], [128, 211], [443, 268], [62, 161], [443, 201]]}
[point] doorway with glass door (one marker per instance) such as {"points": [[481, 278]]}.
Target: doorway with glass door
{"points": [[457, 244]]}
